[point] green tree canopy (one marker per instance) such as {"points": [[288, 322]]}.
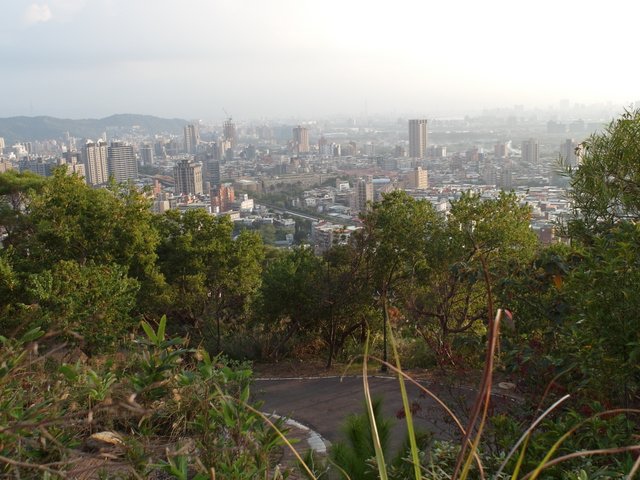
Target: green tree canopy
{"points": [[345, 298], [67, 220], [605, 187], [16, 189], [212, 277], [75, 257], [392, 241], [289, 298], [465, 256]]}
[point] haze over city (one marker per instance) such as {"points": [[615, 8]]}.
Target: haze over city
{"points": [[190, 59]]}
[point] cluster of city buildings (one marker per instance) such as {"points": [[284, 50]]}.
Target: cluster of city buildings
{"points": [[327, 173]]}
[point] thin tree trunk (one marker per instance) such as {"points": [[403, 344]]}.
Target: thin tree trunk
{"points": [[332, 337]]}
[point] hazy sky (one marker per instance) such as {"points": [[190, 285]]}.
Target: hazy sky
{"points": [[192, 58]]}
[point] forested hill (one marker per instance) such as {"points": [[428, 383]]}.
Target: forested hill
{"points": [[15, 129]]}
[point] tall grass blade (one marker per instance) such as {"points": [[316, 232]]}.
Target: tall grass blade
{"points": [[415, 457], [551, 384], [443, 405], [342, 470], [546, 461], [527, 433], [482, 403], [583, 453], [634, 469], [382, 469], [518, 467]]}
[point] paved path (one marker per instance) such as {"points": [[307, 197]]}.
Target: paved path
{"points": [[323, 403]]}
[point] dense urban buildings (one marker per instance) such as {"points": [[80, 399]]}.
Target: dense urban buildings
{"points": [[222, 198], [73, 163], [324, 170]]}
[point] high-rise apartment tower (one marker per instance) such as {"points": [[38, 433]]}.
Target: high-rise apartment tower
{"points": [[300, 140], [569, 151], [191, 138], [146, 154], [418, 138], [530, 152], [363, 193], [501, 150], [122, 162], [188, 177], [94, 157]]}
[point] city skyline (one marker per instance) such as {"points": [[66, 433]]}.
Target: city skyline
{"points": [[81, 59]]}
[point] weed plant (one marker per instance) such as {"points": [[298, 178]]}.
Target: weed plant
{"points": [[167, 408]]}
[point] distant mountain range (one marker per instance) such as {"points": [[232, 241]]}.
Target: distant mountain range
{"points": [[16, 129]]}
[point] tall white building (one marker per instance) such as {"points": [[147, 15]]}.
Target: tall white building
{"points": [[5, 166], [418, 138], [191, 138], [122, 162], [363, 193], [568, 152], [94, 157]]}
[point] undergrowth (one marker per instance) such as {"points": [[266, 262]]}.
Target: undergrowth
{"points": [[166, 409], [162, 408]]}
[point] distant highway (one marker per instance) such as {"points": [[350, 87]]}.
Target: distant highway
{"points": [[306, 216]]}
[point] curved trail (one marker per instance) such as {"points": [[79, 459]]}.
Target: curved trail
{"points": [[323, 403]]}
